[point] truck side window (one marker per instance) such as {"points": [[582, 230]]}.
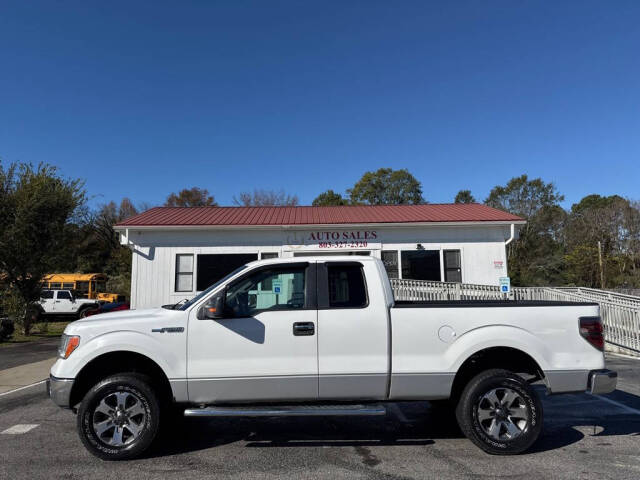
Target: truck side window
{"points": [[64, 295], [46, 294], [249, 297], [346, 286]]}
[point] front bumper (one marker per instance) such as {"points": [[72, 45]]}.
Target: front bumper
{"points": [[59, 390], [602, 381]]}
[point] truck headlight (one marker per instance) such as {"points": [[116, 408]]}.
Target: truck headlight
{"points": [[68, 343]]}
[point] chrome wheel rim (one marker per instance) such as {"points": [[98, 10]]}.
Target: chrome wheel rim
{"points": [[502, 414], [119, 418]]}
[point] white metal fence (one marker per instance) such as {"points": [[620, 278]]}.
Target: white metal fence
{"points": [[604, 295], [620, 313]]}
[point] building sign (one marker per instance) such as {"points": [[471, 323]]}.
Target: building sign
{"points": [[334, 239], [498, 264]]}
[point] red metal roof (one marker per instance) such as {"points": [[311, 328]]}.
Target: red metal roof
{"points": [[276, 216]]}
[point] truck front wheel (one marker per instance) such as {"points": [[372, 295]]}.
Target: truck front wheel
{"points": [[500, 412], [119, 417]]}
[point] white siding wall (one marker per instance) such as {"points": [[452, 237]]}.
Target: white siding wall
{"points": [[154, 257]]}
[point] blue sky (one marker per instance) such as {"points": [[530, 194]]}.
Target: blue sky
{"points": [[146, 98]]}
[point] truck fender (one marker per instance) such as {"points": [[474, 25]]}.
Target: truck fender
{"points": [[173, 366], [481, 338]]}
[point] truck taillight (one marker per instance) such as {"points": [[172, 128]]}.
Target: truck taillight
{"points": [[591, 330]]}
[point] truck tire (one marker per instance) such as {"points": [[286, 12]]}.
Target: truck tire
{"points": [[83, 312], [500, 412], [119, 417]]}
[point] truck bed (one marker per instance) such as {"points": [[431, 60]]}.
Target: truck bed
{"points": [[431, 339]]}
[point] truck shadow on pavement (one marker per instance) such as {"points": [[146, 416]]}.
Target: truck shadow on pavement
{"points": [[568, 419]]}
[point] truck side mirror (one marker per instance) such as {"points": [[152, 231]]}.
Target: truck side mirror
{"points": [[214, 310]]}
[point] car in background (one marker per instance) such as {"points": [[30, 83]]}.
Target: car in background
{"points": [[110, 298], [108, 308], [61, 303]]}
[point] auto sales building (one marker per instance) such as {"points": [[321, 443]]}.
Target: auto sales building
{"points": [[178, 252]]}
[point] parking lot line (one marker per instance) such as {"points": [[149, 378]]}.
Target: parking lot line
{"points": [[22, 388], [618, 404], [19, 429]]}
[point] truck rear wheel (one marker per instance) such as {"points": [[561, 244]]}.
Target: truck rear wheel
{"points": [[118, 418], [500, 412]]}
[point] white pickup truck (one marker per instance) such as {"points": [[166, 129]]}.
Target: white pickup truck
{"points": [[64, 303], [324, 336]]}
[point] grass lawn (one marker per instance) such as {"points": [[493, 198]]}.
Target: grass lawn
{"points": [[38, 332]]}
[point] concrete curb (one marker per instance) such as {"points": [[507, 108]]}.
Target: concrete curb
{"points": [[25, 375]]}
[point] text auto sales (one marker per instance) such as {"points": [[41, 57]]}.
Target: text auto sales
{"points": [[343, 239]]}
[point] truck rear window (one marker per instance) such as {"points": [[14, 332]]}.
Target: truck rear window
{"points": [[347, 288]]}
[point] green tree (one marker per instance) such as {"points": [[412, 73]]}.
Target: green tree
{"points": [[536, 258], [387, 187], [102, 250], [191, 197], [464, 196], [265, 198], [582, 266], [329, 198], [36, 206], [524, 197], [614, 222]]}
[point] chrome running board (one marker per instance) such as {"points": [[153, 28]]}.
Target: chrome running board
{"points": [[286, 411]]}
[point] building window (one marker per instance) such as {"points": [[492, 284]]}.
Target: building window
{"points": [[212, 267], [267, 284], [421, 265], [346, 286], [452, 266], [184, 273], [390, 260]]}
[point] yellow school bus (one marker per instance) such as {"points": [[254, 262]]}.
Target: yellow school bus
{"points": [[88, 285]]}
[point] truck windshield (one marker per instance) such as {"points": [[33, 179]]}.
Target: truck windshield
{"points": [[211, 288]]}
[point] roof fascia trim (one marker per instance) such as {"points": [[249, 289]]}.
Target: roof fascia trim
{"points": [[475, 223]]}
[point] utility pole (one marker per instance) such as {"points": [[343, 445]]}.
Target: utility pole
{"points": [[600, 262]]}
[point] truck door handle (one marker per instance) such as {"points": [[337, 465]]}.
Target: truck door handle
{"points": [[303, 328]]}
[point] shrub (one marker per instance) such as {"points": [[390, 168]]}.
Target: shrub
{"points": [[6, 329], [18, 311], [42, 327]]}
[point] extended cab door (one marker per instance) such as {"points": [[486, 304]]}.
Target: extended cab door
{"points": [[265, 349], [353, 332]]}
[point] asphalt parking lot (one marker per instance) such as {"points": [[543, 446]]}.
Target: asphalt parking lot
{"points": [[584, 437]]}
